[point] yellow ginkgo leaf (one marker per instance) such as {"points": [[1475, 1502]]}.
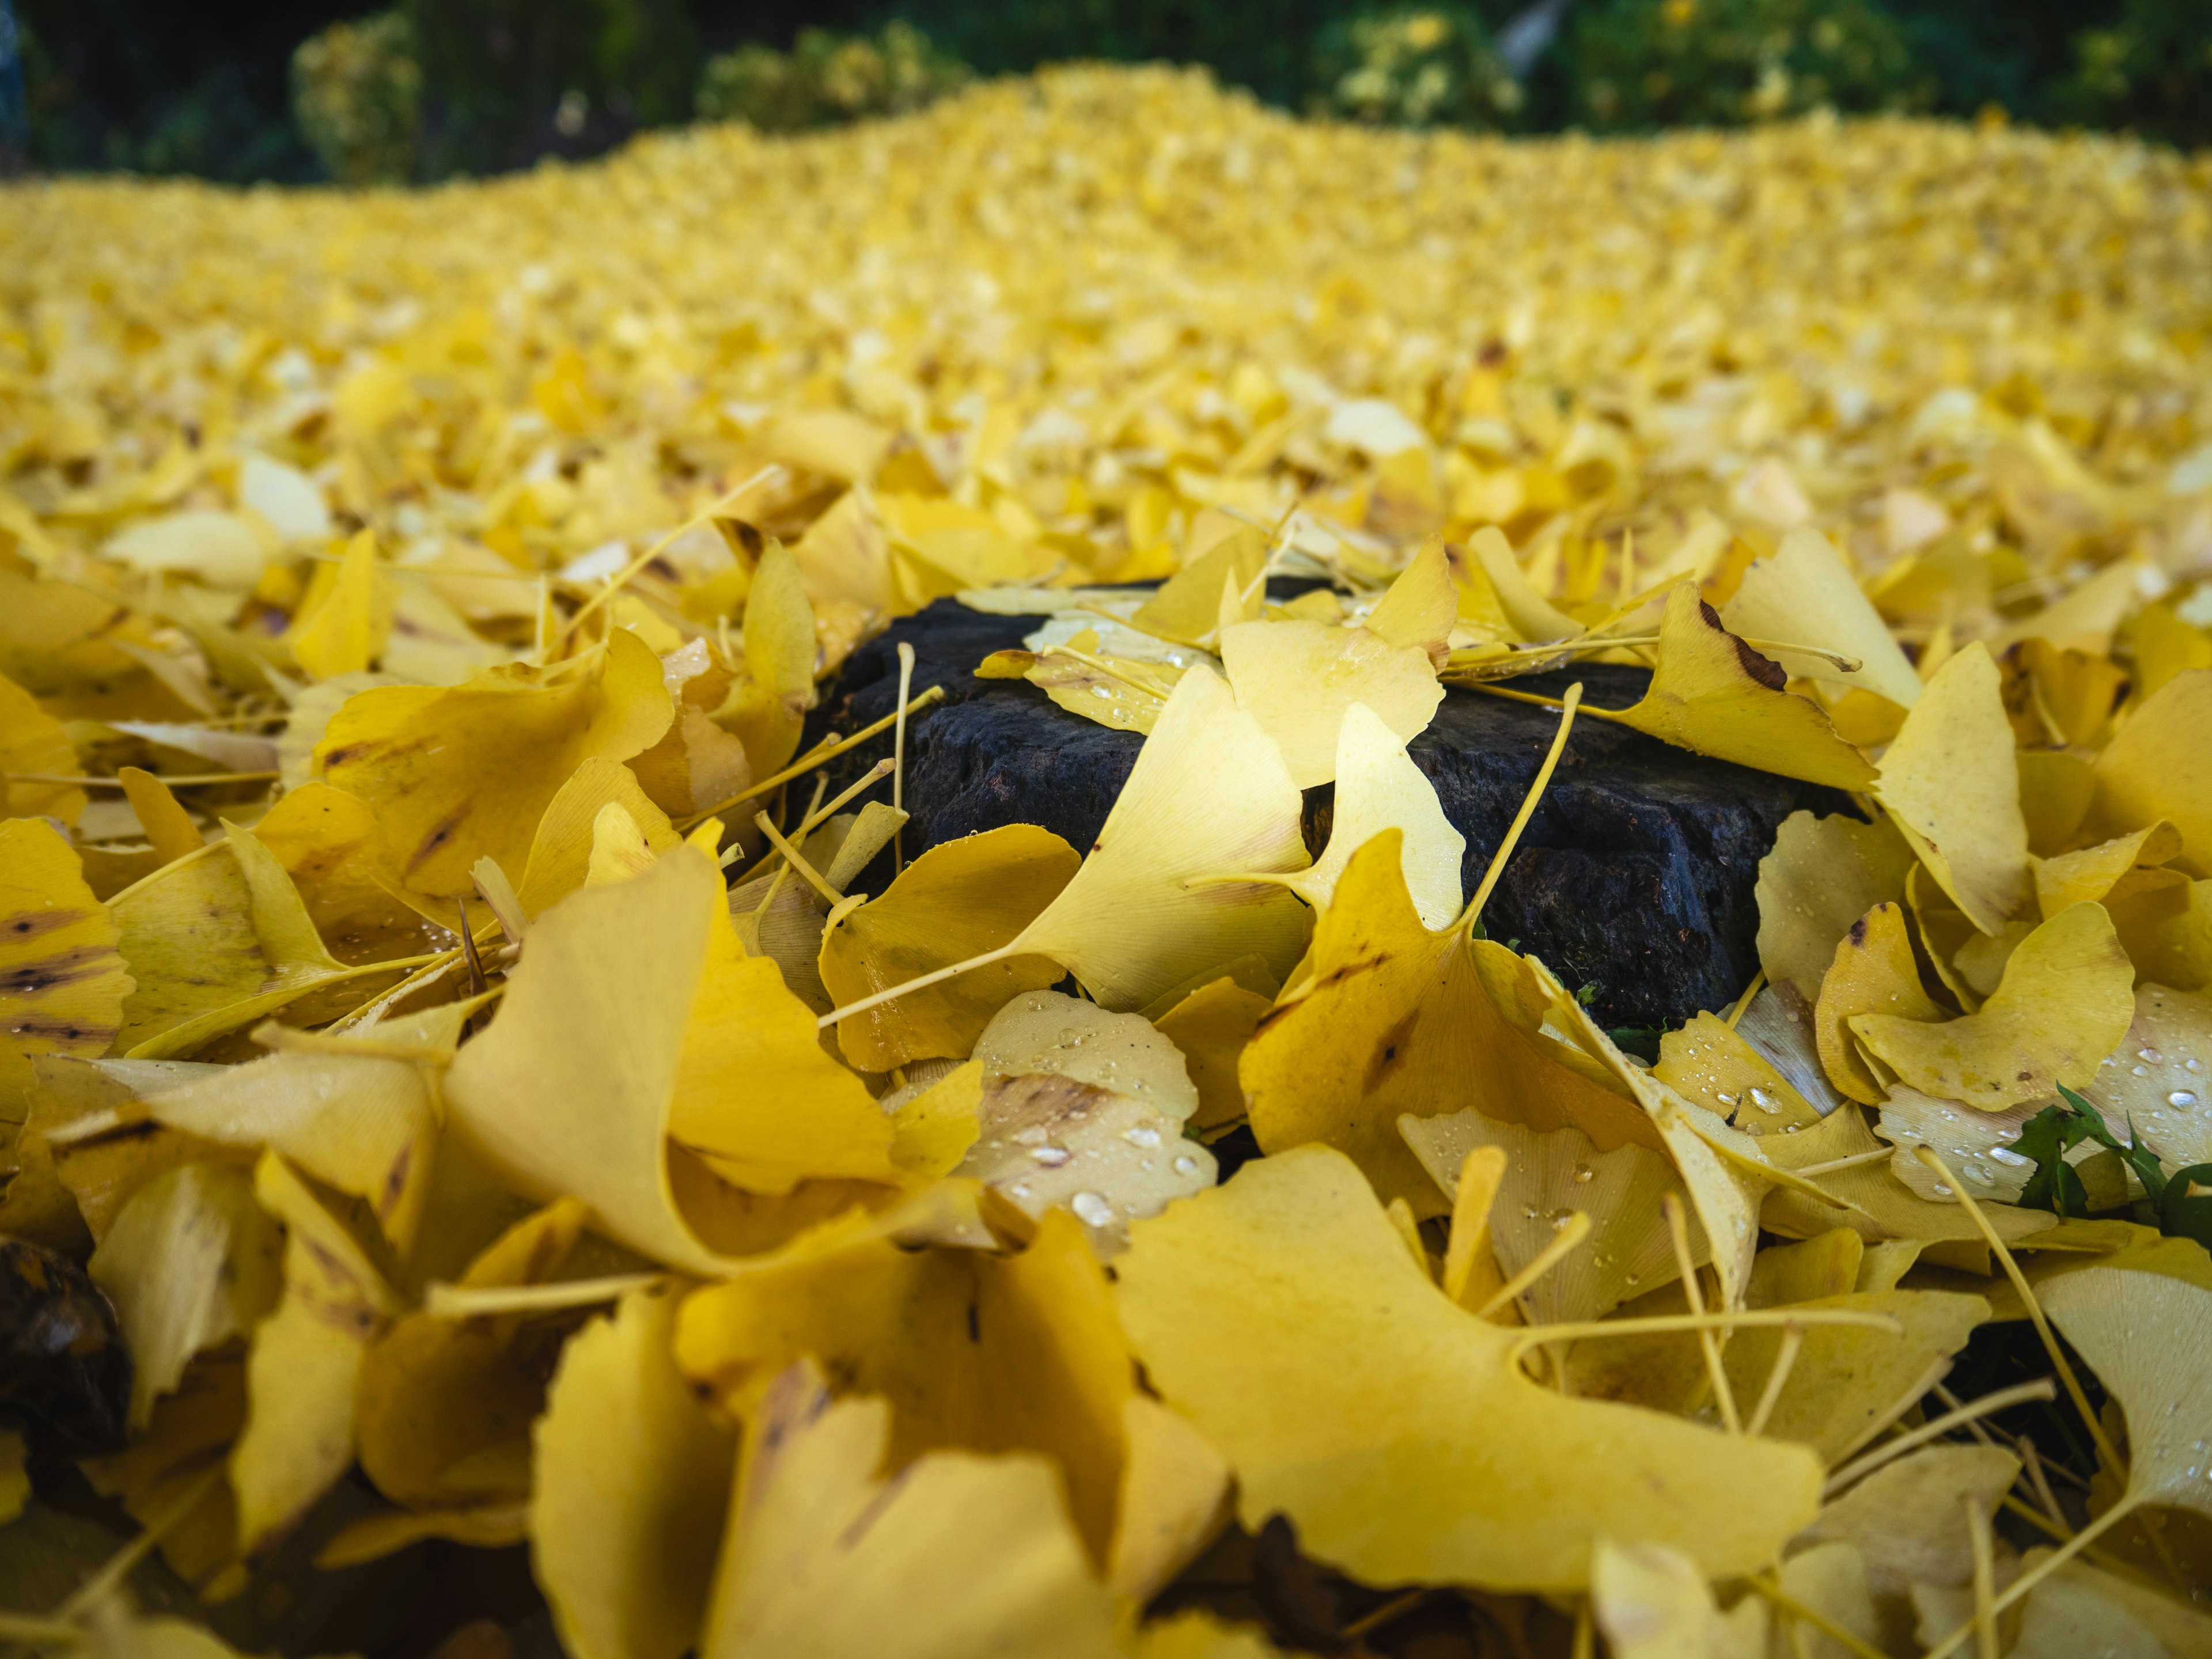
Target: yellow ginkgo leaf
{"points": [[976, 1350], [1713, 693], [1209, 792], [1822, 876], [1212, 1026], [1950, 782], [602, 1043], [560, 855], [364, 1123], [765, 710], [1187, 608], [2094, 875], [446, 1404], [619, 848], [1396, 1431], [1298, 678], [959, 1555], [2066, 1001], [1709, 1065], [1174, 1499], [1872, 972], [2153, 769], [192, 1261], [458, 774], [1652, 1602], [1882, 1207], [1532, 618], [1378, 788], [155, 1476], [346, 618], [632, 1480], [33, 742], [1806, 595], [64, 986], [169, 827], [1421, 606], [961, 898], [303, 1370]]}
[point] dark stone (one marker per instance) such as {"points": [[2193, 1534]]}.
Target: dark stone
{"points": [[64, 1372], [1634, 877]]}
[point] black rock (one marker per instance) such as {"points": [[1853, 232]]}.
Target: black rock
{"points": [[1634, 878], [64, 1372]]}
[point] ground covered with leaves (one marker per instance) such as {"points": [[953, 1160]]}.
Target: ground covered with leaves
{"points": [[488, 1179]]}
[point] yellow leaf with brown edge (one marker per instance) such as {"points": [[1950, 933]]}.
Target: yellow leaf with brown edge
{"points": [[1298, 679], [958, 1555], [446, 1404], [1873, 972], [2065, 1002], [34, 741], [64, 985], [2155, 769], [1394, 1430], [1949, 781], [765, 709], [1714, 695], [632, 1479], [974, 1350], [1209, 792], [572, 1090], [960, 899], [456, 775], [1804, 593], [303, 1367]]}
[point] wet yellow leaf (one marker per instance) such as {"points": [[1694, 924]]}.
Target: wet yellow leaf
{"points": [[2153, 769], [2065, 1001], [1212, 1026], [1805, 594], [1872, 972], [1297, 679]]}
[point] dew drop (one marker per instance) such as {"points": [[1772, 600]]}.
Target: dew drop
{"points": [[2192, 1064], [1559, 1218], [1764, 1102], [1726, 1098], [2140, 1071], [1978, 1175], [2151, 1055], [2005, 1155], [1184, 1166], [1143, 1135], [1584, 1172], [1051, 1157], [1941, 1191], [2185, 1098], [1091, 1210]]}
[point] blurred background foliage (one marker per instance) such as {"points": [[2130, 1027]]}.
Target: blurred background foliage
{"points": [[321, 89]]}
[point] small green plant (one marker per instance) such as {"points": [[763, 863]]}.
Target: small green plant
{"points": [[2152, 71], [1641, 64], [1415, 66], [2178, 1204], [828, 78], [357, 96]]}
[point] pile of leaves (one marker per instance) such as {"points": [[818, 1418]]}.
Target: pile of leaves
{"points": [[445, 1032]]}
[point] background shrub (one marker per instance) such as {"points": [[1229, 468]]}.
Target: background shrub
{"points": [[828, 77], [357, 94], [1415, 66], [1646, 63], [2151, 71]]}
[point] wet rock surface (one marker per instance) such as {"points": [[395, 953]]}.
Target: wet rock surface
{"points": [[64, 1376], [1635, 875]]}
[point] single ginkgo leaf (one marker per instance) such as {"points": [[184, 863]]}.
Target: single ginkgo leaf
{"points": [[1532, 618], [2093, 875], [303, 1370], [1046, 1033], [1174, 1499], [1882, 1207], [560, 855], [593, 1054], [1713, 693], [1950, 783], [1393, 1429], [192, 1261], [346, 618], [462, 774], [1804, 592], [1421, 606], [33, 742], [1212, 1026], [2153, 768], [1297, 679], [1822, 876], [1187, 608], [1709, 1064], [632, 1477], [1653, 1602], [2066, 1001], [1378, 788], [63, 986], [2160, 1084], [958, 1555], [1872, 972], [766, 709], [961, 898], [1906, 1518], [1209, 792], [446, 1404]]}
